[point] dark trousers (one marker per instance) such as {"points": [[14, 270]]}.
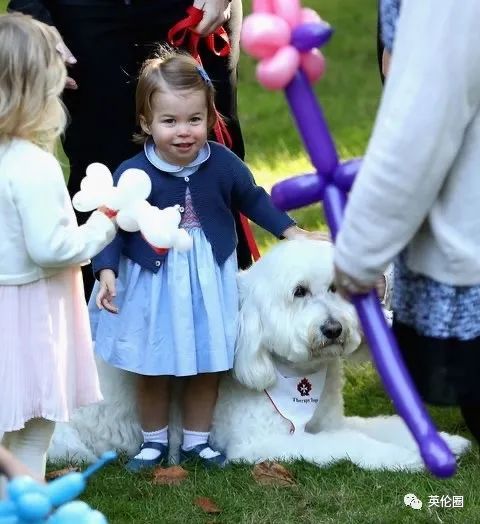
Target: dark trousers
{"points": [[110, 41], [445, 371]]}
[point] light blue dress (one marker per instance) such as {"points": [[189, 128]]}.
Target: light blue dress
{"points": [[179, 321]]}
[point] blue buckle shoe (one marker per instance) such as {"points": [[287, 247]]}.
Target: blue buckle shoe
{"points": [[205, 455], [135, 465]]}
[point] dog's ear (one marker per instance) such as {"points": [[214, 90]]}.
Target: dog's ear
{"points": [[253, 365]]}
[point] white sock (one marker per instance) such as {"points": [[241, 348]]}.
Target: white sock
{"points": [[161, 436], [194, 438]]}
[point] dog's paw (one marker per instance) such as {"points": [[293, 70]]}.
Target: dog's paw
{"points": [[317, 424], [313, 426]]}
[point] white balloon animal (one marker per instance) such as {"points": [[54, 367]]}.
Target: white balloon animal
{"points": [[159, 227]]}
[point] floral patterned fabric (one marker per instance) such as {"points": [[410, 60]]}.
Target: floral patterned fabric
{"points": [[435, 309]]}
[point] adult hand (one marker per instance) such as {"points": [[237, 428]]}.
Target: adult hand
{"points": [[69, 60], [107, 291], [215, 14], [348, 286]]}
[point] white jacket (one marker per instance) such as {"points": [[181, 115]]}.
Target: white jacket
{"points": [[420, 181], [39, 234]]}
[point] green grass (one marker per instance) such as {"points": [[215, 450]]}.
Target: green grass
{"points": [[342, 493]]}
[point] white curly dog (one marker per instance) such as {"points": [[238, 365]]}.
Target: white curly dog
{"points": [[285, 398]]}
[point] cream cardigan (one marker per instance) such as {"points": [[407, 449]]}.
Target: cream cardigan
{"points": [[39, 234], [419, 185]]}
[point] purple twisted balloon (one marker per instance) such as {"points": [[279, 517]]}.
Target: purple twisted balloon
{"points": [[330, 183]]}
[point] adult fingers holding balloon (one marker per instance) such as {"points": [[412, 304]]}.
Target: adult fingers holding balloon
{"points": [[348, 286]]}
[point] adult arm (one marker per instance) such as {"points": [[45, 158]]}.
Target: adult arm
{"points": [[430, 97]]}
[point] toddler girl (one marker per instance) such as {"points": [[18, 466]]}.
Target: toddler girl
{"points": [[177, 312]]}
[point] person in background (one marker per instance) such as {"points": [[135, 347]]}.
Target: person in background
{"points": [[416, 199]]}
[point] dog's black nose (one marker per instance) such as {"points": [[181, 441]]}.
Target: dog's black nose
{"points": [[331, 329]]}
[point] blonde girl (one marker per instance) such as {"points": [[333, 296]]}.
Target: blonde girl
{"points": [[46, 363]]}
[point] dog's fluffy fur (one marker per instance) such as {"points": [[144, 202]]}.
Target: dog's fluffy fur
{"points": [[287, 305]]}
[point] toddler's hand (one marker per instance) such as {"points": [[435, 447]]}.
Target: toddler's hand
{"points": [[107, 291], [295, 232]]}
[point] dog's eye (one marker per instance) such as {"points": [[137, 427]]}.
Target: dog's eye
{"points": [[332, 288], [300, 291]]}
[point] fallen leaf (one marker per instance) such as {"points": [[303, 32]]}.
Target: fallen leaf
{"points": [[52, 475], [273, 473], [170, 476], [207, 505]]}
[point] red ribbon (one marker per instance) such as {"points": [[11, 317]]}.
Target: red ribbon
{"points": [[158, 250], [183, 35], [110, 213]]}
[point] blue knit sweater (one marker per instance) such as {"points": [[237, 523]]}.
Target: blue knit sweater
{"points": [[222, 183]]}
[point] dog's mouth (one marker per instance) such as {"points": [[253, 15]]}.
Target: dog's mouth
{"points": [[327, 347]]}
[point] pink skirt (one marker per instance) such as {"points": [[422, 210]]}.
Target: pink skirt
{"points": [[47, 368]]}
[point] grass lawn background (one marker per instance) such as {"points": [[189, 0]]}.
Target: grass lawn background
{"points": [[343, 493]]}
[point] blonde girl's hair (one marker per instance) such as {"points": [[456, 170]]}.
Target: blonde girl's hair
{"points": [[170, 70], [32, 77]]}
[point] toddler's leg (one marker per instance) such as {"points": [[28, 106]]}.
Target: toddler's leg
{"points": [[199, 399], [153, 398], [30, 444]]}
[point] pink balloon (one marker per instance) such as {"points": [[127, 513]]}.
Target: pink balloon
{"points": [[308, 15], [262, 6], [277, 72], [313, 63], [263, 33], [289, 10]]}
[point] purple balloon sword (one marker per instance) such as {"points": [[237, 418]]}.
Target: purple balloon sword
{"points": [[280, 33]]}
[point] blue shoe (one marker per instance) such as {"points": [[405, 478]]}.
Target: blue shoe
{"points": [[205, 455], [135, 465]]}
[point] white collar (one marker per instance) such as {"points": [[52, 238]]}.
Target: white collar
{"points": [[163, 165]]}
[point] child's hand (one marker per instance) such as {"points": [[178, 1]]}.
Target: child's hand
{"points": [[107, 291], [295, 232], [109, 212], [11, 466]]}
